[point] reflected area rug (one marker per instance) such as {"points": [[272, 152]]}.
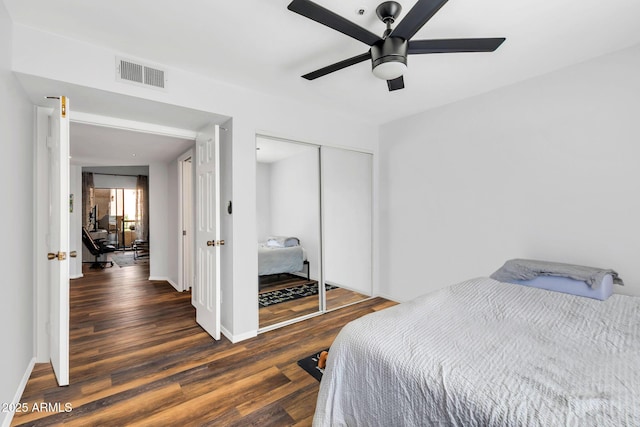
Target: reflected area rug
{"points": [[265, 299]]}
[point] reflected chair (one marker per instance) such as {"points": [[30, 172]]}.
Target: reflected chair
{"points": [[97, 248]]}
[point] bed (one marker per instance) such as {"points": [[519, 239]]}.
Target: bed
{"points": [[487, 353], [279, 255]]}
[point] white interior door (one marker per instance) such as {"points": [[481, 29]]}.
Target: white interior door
{"points": [[58, 241], [206, 290]]}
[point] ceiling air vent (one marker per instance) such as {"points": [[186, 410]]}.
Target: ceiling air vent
{"points": [[141, 74]]}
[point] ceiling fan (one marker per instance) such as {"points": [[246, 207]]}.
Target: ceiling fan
{"points": [[388, 54]]}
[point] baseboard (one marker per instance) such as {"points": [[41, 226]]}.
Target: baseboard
{"points": [[237, 338], [377, 294], [8, 416], [78, 276], [174, 284]]}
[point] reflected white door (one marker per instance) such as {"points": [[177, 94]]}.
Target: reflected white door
{"points": [[205, 295], [58, 241]]}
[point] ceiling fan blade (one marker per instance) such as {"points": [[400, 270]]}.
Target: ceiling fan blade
{"points": [[454, 45], [337, 66], [326, 17], [395, 84], [419, 14]]}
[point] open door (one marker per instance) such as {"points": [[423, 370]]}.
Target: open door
{"points": [[205, 296], [58, 241]]}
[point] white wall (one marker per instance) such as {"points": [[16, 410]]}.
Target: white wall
{"points": [[295, 203], [263, 204], [62, 59], [160, 227], [115, 181], [174, 228], [546, 169], [75, 222], [227, 299], [16, 173]]}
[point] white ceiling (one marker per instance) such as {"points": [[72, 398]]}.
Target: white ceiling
{"points": [[260, 44], [97, 145]]}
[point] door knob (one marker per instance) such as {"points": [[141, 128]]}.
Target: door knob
{"points": [[73, 254], [60, 256], [211, 243], [220, 242]]}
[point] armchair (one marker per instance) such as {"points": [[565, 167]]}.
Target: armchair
{"points": [[97, 248]]}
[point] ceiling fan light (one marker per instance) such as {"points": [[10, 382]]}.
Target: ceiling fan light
{"points": [[390, 70]]}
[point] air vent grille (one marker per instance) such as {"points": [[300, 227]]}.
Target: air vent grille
{"points": [[154, 77], [142, 74]]}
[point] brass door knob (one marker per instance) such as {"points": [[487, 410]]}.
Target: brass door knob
{"points": [[211, 243], [60, 256], [220, 242], [73, 254]]}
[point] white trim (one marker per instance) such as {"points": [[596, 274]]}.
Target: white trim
{"points": [[289, 322], [76, 276], [379, 295], [281, 137], [237, 338], [164, 279], [348, 305], [174, 284], [6, 422], [41, 230], [131, 125]]}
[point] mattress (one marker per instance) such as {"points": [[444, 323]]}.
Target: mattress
{"points": [[487, 353], [276, 260]]}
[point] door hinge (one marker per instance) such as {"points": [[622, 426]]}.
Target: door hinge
{"points": [[184, 232]]}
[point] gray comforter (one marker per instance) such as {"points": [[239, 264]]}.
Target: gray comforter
{"points": [[486, 353], [276, 260]]}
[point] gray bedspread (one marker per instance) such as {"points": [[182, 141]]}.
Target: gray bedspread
{"points": [[527, 269], [484, 353], [275, 260]]}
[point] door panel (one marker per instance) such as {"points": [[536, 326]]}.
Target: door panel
{"points": [[206, 290], [347, 182]]}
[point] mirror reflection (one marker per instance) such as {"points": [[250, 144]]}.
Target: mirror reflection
{"points": [[288, 215]]}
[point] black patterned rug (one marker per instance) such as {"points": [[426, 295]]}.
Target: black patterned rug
{"points": [[265, 299], [310, 364]]}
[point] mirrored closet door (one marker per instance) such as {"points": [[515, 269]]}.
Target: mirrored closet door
{"points": [[347, 223], [288, 224]]}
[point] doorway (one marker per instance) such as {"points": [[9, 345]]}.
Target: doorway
{"points": [[108, 147]]}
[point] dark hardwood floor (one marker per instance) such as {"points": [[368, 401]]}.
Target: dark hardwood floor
{"points": [[138, 358]]}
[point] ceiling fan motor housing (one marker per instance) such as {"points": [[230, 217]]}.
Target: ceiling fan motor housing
{"points": [[391, 49]]}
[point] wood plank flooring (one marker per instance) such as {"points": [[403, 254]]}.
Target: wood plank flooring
{"points": [[288, 310], [138, 358]]}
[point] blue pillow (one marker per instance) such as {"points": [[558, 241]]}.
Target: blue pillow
{"points": [[571, 286]]}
